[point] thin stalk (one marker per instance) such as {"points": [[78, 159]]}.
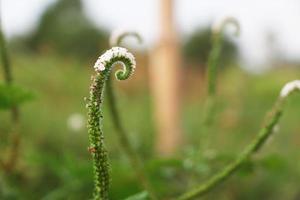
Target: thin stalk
{"points": [[123, 136], [8, 78], [125, 142], [97, 148], [211, 76], [252, 148], [213, 60]]}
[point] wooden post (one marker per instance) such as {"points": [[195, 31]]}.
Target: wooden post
{"points": [[164, 80]]}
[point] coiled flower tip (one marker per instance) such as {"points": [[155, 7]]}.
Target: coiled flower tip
{"points": [[118, 35], [219, 25], [116, 55], [290, 87]]}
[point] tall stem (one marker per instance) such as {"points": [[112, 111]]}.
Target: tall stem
{"points": [[116, 39], [253, 147], [97, 148], [8, 78], [125, 142]]}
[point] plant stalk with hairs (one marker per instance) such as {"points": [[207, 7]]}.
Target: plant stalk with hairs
{"points": [[103, 68]]}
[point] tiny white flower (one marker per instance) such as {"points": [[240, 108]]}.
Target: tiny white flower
{"points": [[290, 87], [99, 65]]}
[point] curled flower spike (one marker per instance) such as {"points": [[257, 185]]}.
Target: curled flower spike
{"points": [[118, 36], [289, 88], [255, 145], [116, 55], [97, 148], [219, 26]]}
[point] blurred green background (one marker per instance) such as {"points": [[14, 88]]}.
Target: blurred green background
{"points": [[55, 63]]}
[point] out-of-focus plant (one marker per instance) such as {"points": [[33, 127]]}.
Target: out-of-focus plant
{"points": [[214, 60], [256, 144], [115, 40], [103, 67], [11, 96]]}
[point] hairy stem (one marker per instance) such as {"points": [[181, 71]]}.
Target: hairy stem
{"points": [[96, 137], [253, 147], [97, 148]]}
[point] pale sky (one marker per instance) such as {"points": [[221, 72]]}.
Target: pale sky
{"points": [[256, 17]]}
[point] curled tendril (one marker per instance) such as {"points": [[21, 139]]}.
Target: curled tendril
{"points": [[118, 36], [103, 68], [255, 145], [219, 26]]}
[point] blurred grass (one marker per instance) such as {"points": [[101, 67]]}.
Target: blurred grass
{"points": [[55, 163]]}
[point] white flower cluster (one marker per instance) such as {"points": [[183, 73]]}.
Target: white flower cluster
{"points": [[219, 25], [290, 87], [115, 52]]}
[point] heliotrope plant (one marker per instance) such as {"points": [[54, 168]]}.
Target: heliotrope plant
{"points": [[103, 67]]}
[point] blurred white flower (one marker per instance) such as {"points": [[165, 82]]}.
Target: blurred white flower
{"points": [[219, 25], [117, 35], [290, 87], [76, 122]]}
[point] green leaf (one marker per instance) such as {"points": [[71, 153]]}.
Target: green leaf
{"points": [[274, 163], [13, 95], [139, 196]]}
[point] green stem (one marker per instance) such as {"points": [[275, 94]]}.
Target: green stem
{"points": [[253, 147], [213, 60], [96, 137], [214, 57], [123, 136], [209, 106], [5, 59], [15, 138], [125, 142], [97, 148]]}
